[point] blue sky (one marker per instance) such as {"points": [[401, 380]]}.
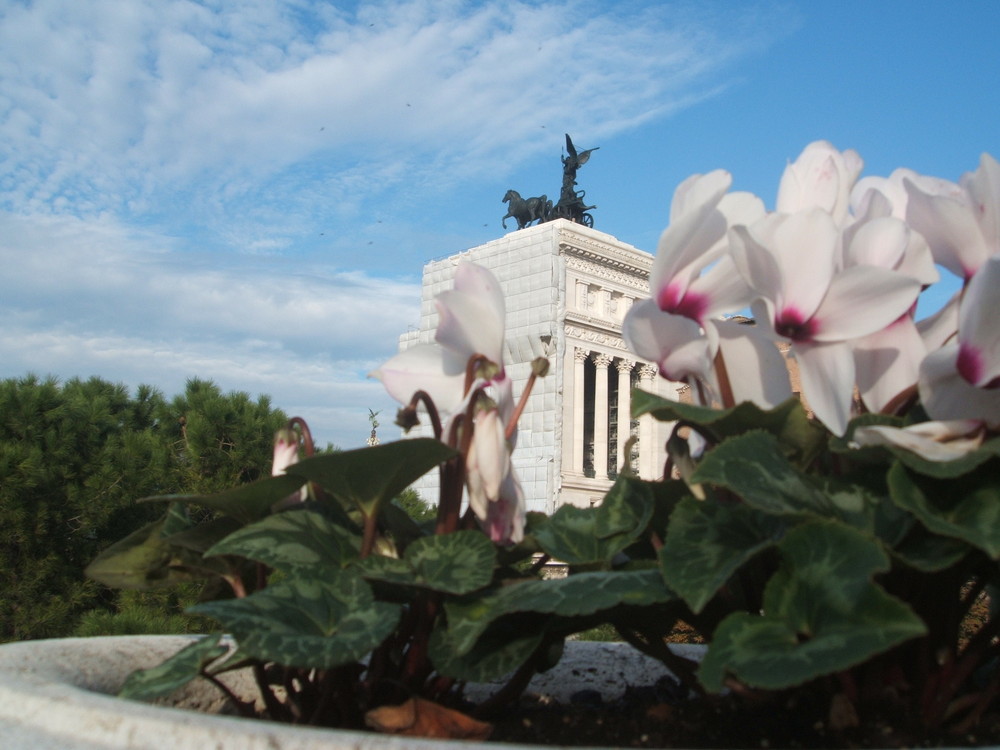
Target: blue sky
{"points": [[246, 190]]}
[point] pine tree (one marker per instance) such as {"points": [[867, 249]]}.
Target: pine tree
{"points": [[75, 459]]}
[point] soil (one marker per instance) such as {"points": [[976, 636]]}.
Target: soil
{"points": [[658, 717]]}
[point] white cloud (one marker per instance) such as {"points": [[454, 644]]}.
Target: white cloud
{"points": [[187, 188], [83, 298], [147, 97]]}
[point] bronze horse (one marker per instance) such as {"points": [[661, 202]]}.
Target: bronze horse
{"points": [[525, 210]]}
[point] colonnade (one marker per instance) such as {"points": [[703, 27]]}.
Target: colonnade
{"points": [[602, 423]]}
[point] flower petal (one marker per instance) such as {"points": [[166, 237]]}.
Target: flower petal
{"points": [[879, 242], [757, 371], [426, 367], [684, 248], [933, 441], [676, 343], [950, 227], [789, 258], [983, 187], [937, 329], [471, 316], [821, 177], [505, 518], [722, 289], [888, 362], [487, 463], [862, 300], [946, 395], [827, 372], [978, 329]]}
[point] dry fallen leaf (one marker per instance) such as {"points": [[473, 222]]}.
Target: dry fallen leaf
{"points": [[843, 715], [422, 718]]}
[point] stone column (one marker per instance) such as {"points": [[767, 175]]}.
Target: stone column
{"points": [[647, 432], [579, 357], [601, 361], [624, 408], [581, 296]]}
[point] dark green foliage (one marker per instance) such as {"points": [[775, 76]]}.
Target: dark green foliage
{"points": [[415, 506], [75, 457]]}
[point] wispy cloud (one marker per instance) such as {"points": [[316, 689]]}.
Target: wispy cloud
{"points": [[181, 183]]}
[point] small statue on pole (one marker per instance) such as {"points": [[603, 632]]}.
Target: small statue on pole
{"points": [[571, 204], [373, 438]]}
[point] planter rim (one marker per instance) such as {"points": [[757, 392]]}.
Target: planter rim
{"points": [[60, 694]]}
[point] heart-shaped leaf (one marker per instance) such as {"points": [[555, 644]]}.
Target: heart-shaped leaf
{"points": [[966, 507], [822, 614], [456, 563], [368, 477], [313, 624], [706, 543], [293, 539], [175, 672]]}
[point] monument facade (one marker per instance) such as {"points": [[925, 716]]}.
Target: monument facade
{"points": [[567, 289]]}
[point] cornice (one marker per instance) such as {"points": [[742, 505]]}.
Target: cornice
{"points": [[624, 259]]}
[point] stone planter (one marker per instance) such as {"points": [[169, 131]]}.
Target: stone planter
{"points": [[59, 694]]}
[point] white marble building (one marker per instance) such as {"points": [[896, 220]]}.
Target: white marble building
{"points": [[567, 288]]}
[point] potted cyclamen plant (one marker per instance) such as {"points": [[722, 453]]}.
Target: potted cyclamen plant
{"points": [[832, 553]]}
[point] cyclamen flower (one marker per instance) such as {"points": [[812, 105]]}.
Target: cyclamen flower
{"points": [[471, 323], [963, 230], [471, 320], [934, 441], [962, 379], [675, 328], [286, 451], [821, 177], [790, 260]]}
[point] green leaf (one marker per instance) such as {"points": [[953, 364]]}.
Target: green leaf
{"points": [[788, 421], [143, 560], [456, 563], [626, 509], [201, 537], [368, 477], [245, 503], [173, 673], [571, 535], [498, 653], [313, 624], [574, 596], [754, 467], [707, 542], [966, 507], [293, 539], [822, 614]]}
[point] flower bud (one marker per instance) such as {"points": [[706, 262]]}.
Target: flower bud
{"points": [[286, 450]]}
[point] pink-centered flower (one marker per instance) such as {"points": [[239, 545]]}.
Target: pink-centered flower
{"points": [[963, 229], [790, 260], [471, 320], [821, 177], [961, 380], [692, 281], [691, 274], [286, 453]]}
